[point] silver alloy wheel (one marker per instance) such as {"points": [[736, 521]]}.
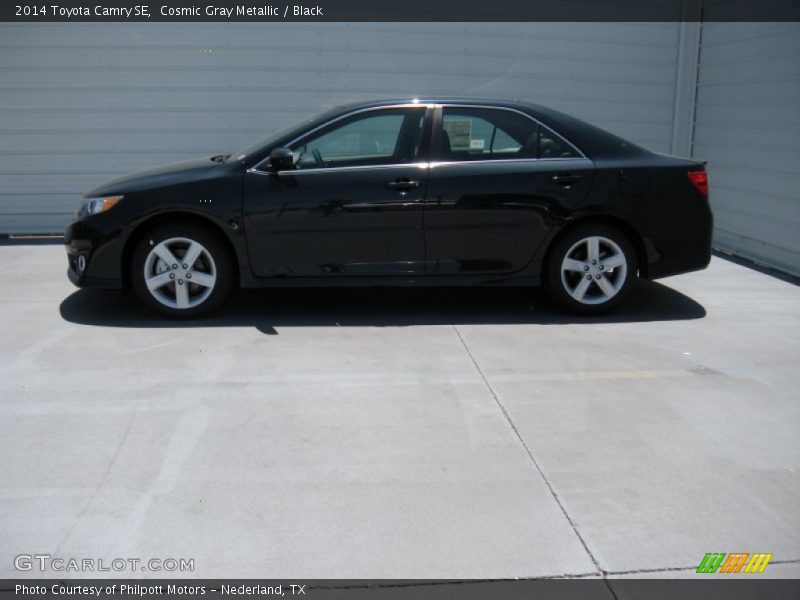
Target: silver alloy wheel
{"points": [[594, 270], [180, 273]]}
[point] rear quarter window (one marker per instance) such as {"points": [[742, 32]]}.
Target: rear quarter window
{"points": [[497, 134]]}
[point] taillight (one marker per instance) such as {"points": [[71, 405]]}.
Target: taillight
{"points": [[700, 181]]}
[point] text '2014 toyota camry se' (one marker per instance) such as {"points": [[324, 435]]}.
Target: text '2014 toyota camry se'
{"points": [[420, 192]]}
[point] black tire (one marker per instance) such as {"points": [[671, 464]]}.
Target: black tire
{"points": [[576, 243], [214, 263]]}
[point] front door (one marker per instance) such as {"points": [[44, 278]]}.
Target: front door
{"points": [[496, 187], [352, 204]]}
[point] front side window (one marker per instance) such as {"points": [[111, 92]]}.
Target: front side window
{"points": [[496, 134], [379, 137]]}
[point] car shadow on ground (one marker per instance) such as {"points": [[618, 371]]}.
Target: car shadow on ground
{"points": [[271, 309]]}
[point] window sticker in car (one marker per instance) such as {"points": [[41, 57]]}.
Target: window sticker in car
{"points": [[460, 133]]}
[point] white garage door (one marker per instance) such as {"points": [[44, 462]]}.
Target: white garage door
{"points": [[81, 103], [747, 125]]}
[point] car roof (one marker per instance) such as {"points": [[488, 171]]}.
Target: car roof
{"points": [[435, 100], [593, 141]]}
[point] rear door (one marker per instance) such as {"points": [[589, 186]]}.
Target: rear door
{"points": [[498, 182]]}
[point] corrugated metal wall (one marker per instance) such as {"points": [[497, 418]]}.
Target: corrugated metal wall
{"points": [[82, 102], [747, 125]]}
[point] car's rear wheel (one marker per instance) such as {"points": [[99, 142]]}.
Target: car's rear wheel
{"points": [[591, 269], [182, 271]]}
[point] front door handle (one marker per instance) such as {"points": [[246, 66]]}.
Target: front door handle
{"points": [[403, 184], [565, 179]]}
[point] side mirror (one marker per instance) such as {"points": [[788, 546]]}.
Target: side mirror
{"points": [[281, 159]]}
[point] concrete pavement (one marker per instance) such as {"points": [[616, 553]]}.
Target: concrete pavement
{"points": [[471, 433]]}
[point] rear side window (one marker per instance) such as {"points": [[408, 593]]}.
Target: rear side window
{"points": [[486, 133], [496, 134], [552, 145]]}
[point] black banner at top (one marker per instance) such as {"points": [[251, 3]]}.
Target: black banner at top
{"points": [[397, 10]]}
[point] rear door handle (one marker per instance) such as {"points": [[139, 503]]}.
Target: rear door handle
{"points": [[403, 184], [565, 179]]}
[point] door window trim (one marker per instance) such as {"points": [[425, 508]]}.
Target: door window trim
{"points": [[428, 108], [436, 121]]}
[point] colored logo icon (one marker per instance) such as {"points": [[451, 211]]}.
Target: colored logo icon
{"points": [[716, 562]]}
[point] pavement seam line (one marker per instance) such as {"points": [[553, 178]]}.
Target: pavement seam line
{"points": [[104, 477], [442, 582], [528, 450]]}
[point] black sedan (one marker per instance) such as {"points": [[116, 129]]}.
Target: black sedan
{"points": [[421, 192]]}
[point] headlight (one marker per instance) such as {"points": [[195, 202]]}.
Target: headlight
{"points": [[92, 206]]}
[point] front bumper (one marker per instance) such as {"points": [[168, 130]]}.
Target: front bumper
{"points": [[85, 281], [94, 254]]}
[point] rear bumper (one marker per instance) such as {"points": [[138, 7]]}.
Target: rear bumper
{"points": [[661, 269], [684, 248]]}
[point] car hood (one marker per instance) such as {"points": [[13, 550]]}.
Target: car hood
{"points": [[161, 176]]}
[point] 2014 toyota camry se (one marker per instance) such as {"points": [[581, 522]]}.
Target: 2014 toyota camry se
{"points": [[414, 192]]}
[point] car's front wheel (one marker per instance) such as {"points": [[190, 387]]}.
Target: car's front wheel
{"points": [[591, 269], [182, 271]]}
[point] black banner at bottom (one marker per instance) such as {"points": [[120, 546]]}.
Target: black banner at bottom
{"points": [[336, 589]]}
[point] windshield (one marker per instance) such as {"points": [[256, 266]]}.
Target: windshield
{"points": [[269, 141]]}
